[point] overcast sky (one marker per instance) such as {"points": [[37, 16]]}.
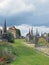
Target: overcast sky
{"points": [[37, 7], [32, 12], [16, 6]]}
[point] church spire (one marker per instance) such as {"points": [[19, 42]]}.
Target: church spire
{"points": [[4, 27], [37, 32]]}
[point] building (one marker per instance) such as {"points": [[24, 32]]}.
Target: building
{"points": [[4, 32], [13, 31]]}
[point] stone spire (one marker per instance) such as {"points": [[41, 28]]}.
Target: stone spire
{"points": [[29, 31], [36, 37], [32, 31], [4, 27], [37, 32], [4, 35]]}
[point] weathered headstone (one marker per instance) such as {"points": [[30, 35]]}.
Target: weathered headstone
{"points": [[36, 37]]}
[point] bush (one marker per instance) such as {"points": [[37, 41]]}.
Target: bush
{"points": [[18, 32], [10, 37], [48, 34], [7, 53], [1, 63], [42, 41]]}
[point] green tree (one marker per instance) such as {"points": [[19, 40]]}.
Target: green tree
{"points": [[18, 32], [10, 37], [48, 34]]}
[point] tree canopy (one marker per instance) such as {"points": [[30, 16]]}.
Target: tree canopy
{"points": [[18, 32]]}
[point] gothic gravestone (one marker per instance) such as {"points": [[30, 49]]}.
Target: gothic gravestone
{"points": [[36, 38]]}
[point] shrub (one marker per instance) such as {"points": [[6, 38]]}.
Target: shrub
{"points": [[18, 32], [10, 37], [1, 63], [42, 41]]}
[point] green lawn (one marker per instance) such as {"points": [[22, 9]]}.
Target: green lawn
{"points": [[28, 56]]}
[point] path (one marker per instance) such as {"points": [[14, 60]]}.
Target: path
{"points": [[42, 49]]}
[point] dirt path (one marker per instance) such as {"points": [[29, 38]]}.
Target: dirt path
{"points": [[42, 49], [29, 45]]}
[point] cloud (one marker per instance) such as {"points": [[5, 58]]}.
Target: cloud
{"points": [[15, 6], [41, 6], [38, 7], [25, 29], [42, 1]]}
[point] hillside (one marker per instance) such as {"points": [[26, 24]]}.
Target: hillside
{"points": [[28, 56], [20, 54]]}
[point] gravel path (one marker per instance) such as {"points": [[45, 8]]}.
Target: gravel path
{"points": [[42, 49]]}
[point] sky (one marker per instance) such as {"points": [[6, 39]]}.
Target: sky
{"points": [[37, 7], [25, 29], [29, 12], [33, 12]]}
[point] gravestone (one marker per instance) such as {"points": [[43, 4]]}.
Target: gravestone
{"points": [[30, 36], [36, 38]]}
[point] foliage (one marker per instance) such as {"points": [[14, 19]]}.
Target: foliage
{"points": [[42, 41], [10, 37], [48, 34], [7, 53], [18, 32], [1, 63]]}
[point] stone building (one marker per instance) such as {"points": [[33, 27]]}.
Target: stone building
{"points": [[4, 32], [13, 31]]}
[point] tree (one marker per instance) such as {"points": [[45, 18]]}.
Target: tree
{"points": [[18, 32], [10, 37], [48, 34]]}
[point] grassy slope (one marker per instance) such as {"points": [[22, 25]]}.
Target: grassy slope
{"points": [[6, 47], [28, 56]]}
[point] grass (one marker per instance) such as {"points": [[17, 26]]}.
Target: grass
{"points": [[7, 53], [28, 56], [7, 46]]}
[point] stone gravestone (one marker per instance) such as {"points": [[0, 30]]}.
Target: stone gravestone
{"points": [[30, 36], [36, 38]]}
